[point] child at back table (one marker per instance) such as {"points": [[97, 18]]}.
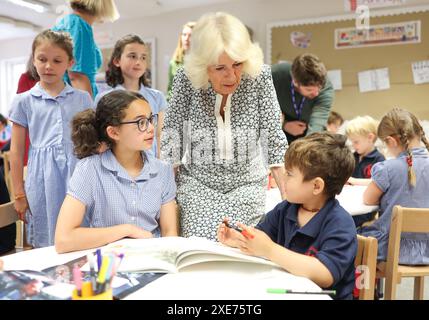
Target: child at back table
{"points": [[45, 111], [309, 234], [124, 191], [362, 132], [401, 181]]}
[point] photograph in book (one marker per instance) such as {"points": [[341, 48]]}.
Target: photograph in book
{"points": [[171, 254]]}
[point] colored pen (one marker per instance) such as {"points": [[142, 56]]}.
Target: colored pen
{"points": [[77, 278], [92, 274], [288, 291], [102, 275], [98, 252], [244, 232]]}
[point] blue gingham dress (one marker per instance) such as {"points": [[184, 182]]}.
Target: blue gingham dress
{"points": [[51, 160], [112, 197], [391, 176]]}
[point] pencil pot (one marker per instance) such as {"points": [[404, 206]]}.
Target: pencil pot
{"points": [[106, 295]]}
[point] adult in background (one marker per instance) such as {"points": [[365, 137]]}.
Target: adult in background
{"points": [[305, 95], [87, 55], [183, 45], [224, 100]]}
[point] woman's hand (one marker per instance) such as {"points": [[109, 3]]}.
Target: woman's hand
{"points": [[21, 206]]}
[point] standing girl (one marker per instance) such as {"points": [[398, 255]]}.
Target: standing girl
{"points": [[46, 112], [401, 181], [122, 192], [86, 53], [183, 46], [127, 71]]}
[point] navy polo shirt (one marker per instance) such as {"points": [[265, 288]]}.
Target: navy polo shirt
{"points": [[330, 236], [363, 167]]}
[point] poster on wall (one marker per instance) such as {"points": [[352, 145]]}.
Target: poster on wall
{"points": [[351, 5], [374, 80], [300, 39], [336, 79], [379, 35], [421, 72]]}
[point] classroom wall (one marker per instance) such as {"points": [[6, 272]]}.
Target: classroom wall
{"points": [[166, 27], [349, 101]]}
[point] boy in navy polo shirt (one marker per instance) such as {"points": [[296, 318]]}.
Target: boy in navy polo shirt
{"points": [[309, 234], [362, 132]]}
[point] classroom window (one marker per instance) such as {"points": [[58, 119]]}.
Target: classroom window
{"points": [[10, 71]]}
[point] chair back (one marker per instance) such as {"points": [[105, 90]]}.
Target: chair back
{"points": [[366, 264]]}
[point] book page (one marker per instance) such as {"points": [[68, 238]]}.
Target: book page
{"points": [[169, 254], [204, 250]]}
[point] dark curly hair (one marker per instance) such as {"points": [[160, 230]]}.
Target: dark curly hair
{"points": [[89, 126], [114, 73]]}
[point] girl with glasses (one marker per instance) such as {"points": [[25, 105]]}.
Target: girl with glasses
{"points": [[124, 191]]}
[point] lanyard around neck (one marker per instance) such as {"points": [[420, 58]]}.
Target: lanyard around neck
{"points": [[298, 109]]}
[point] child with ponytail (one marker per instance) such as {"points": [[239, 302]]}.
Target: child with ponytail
{"points": [[403, 181], [124, 191]]}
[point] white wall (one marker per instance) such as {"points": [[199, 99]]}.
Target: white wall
{"points": [[166, 27]]}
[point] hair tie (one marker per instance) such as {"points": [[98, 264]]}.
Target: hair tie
{"points": [[409, 161]]}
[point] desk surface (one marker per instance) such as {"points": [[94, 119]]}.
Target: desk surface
{"points": [[206, 281], [350, 198]]}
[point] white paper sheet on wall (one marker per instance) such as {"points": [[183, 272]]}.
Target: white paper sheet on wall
{"points": [[421, 72], [336, 79], [374, 80]]}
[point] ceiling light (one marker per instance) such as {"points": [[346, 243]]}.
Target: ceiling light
{"points": [[19, 23], [37, 6]]}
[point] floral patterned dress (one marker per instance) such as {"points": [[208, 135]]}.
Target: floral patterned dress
{"points": [[222, 161]]}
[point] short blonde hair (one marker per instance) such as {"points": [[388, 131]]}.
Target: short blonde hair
{"points": [[101, 9], [213, 34], [362, 126]]}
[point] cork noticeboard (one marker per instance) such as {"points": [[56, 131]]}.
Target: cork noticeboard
{"points": [[349, 101]]}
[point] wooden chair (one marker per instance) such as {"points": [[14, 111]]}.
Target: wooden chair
{"points": [[7, 177], [366, 263], [403, 220], [8, 216]]}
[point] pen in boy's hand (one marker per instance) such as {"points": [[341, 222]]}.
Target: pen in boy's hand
{"points": [[244, 232]]}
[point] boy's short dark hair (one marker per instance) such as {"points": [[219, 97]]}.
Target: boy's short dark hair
{"points": [[335, 117], [324, 155], [308, 70]]}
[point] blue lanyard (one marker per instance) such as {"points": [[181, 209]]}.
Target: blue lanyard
{"points": [[298, 110]]}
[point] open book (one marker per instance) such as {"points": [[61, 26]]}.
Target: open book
{"points": [[171, 254]]}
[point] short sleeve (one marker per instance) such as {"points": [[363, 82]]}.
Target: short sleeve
{"points": [[273, 139], [84, 51], [87, 102], [169, 188], [19, 111], [338, 248], [161, 102], [380, 175], [82, 183]]}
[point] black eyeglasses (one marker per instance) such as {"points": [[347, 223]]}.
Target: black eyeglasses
{"points": [[143, 123]]}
